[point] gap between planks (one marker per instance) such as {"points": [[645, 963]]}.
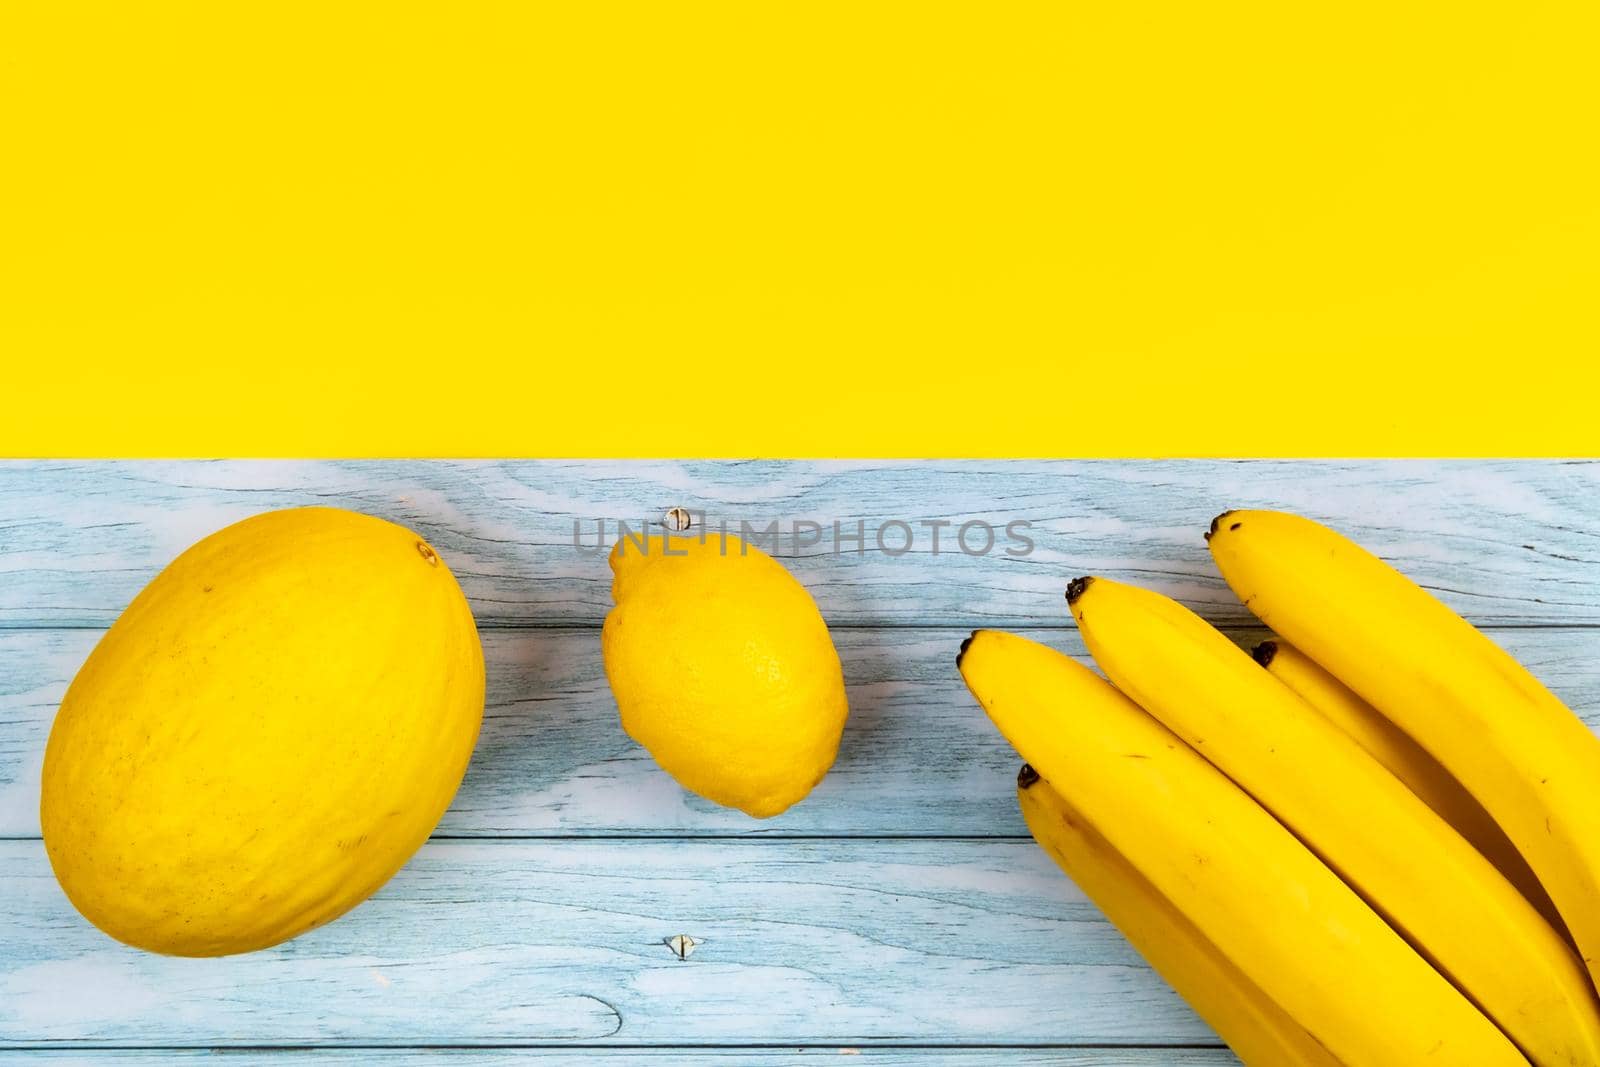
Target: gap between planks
{"points": [[754, 837], [585, 626], [592, 1047]]}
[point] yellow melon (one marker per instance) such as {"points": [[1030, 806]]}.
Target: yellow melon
{"points": [[265, 736]]}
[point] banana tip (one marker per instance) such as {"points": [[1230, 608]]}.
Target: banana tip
{"points": [[1264, 652], [1027, 776], [1077, 587], [1216, 523], [964, 646]]}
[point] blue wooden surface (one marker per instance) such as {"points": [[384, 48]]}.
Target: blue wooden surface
{"points": [[1504, 542], [898, 913], [689, 1057]]}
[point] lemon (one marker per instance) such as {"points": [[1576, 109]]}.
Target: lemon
{"points": [[723, 669]]}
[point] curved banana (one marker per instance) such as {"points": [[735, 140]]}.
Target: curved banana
{"points": [[1437, 890], [1260, 1033], [1248, 886], [1407, 761], [1527, 759]]}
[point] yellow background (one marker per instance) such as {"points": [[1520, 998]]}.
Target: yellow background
{"points": [[807, 229]]}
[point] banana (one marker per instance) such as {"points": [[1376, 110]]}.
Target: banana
{"points": [[1514, 746], [1528, 760], [1407, 761], [1437, 890], [1248, 886], [1260, 1032]]}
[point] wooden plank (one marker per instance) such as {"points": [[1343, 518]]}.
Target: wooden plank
{"points": [[517, 942], [1011, 1056], [591, 1057], [918, 757], [1503, 542]]}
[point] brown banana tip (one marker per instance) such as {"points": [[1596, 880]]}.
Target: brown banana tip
{"points": [[964, 646], [1264, 652], [1216, 523], [1077, 587], [1027, 776]]}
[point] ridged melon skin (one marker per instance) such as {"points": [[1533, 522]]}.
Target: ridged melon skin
{"points": [[265, 736]]}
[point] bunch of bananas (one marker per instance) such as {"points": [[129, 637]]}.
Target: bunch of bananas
{"points": [[1384, 848]]}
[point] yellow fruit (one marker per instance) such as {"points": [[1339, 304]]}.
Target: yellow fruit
{"points": [[1437, 890], [1248, 886], [265, 736], [1519, 751], [723, 670], [1260, 1032], [1407, 761]]}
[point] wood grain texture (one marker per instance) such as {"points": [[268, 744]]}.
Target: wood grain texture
{"points": [[918, 756], [1502, 542], [899, 905], [517, 942], [843, 1056]]}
